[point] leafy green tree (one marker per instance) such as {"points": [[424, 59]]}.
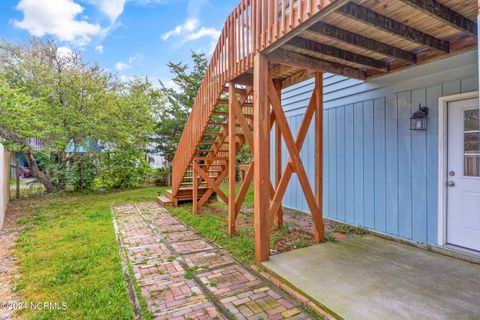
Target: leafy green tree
{"points": [[69, 104], [179, 102]]}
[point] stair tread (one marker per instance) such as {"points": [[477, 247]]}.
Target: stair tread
{"points": [[163, 198]]}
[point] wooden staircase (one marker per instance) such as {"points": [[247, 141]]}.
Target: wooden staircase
{"points": [[252, 27], [212, 151]]}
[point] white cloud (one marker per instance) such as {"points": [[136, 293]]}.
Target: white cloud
{"points": [[111, 8], [190, 31], [148, 2], [99, 49], [120, 66], [114, 8], [64, 52], [137, 57], [204, 32], [189, 26], [66, 21], [57, 18]]}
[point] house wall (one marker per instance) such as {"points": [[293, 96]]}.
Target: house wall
{"points": [[4, 182], [377, 173]]}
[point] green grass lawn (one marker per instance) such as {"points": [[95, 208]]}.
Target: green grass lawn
{"points": [[67, 252], [212, 224]]}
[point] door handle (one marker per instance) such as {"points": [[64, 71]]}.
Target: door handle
{"points": [[451, 184]]}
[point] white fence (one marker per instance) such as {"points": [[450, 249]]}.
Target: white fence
{"points": [[4, 182]]}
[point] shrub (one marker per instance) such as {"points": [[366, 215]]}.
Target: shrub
{"points": [[122, 169], [81, 173], [162, 176]]}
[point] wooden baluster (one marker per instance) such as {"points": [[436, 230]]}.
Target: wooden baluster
{"points": [[275, 19], [244, 31], [238, 42], [264, 22], [269, 21], [290, 20]]}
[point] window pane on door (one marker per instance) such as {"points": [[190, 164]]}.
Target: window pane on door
{"points": [[472, 120], [472, 143]]}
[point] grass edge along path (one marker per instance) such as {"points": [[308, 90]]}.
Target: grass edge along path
{"points": [[235, 289], [68, 252]]}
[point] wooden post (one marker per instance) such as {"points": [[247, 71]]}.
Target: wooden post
{"points": [[231, 159], [261, 156], [278, 156], [320, 233], [195, 187]]}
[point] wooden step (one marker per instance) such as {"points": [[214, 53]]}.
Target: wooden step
{"points": [[190, 185], [191, 178], [225, 102], [221, 124], [225, 114], [164, 201], [185, 194], [203, 165], [218, 124], [210, 133]]}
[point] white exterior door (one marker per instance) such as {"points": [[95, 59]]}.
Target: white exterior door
{"points": [[463, 175]]}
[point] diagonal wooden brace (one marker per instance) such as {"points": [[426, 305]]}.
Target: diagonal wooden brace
{"points": [[295, 161]]}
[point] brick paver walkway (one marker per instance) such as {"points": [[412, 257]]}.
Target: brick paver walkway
{"points": [[183, 276]]}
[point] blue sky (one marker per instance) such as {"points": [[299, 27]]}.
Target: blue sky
{"points": [[129, 37]]}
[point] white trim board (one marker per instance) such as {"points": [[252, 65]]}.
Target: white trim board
{"points": [[442, 160]]}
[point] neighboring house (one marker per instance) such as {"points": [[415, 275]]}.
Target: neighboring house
{"points": [[36, 143], [4, 182], [87, 147], [381, 175], [157, 160]]}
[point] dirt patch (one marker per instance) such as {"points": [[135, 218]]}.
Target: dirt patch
{"points": [[217, 209], [297, 230], [8, 264]]}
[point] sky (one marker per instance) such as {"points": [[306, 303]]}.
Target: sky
{"points": [[127, 37]]}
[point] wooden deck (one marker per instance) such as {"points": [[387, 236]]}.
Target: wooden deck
{"points": [[267, 45]]}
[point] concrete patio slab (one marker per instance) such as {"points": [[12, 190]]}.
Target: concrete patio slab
{"points": [[372, 278]]}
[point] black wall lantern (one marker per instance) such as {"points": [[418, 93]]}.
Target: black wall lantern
{"points": [[419, 119]]}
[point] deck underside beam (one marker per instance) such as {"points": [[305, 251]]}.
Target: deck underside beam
{"points": [[375, 19]]}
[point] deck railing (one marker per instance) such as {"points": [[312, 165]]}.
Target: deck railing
{"points": [[251, 27]]}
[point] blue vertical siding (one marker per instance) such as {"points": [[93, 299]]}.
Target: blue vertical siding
{"points": [[358, 174], [349, 165], [379, 165], [377, 173]]}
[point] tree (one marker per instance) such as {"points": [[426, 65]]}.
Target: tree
{"points": [[56, 96], [174, 114]]}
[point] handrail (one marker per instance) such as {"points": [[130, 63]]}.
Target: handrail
{"points": [[251, 27]]}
